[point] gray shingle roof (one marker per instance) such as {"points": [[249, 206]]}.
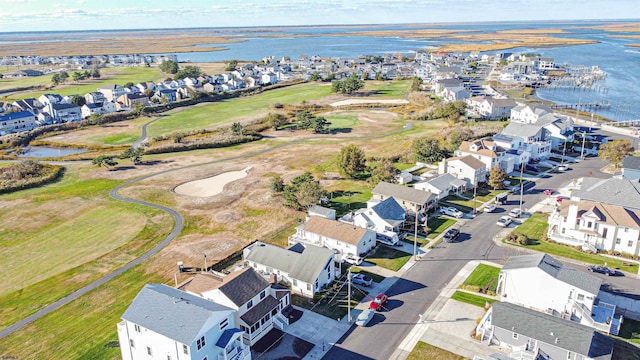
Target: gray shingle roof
{"points": [[243, 285], [259, 310], [320, 210], [403, 193], [521, 130], [173, 313], [612, 191], [557, 270], [303, 265], [442, 182], [570, 335], [631, 162], [226, 337], [389, 210]]}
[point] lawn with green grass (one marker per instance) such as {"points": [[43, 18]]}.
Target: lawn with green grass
{"points": [[341, 121], [207, 115], [630, 330], [410, 239], [477, 300], [348, 195], [535, 228], [332, 302], [388, 89], [484, 275], [456, 202], [116, 139], [438, 225], [389, 258], [424, 351]]}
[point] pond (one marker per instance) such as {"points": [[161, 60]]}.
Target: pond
{"points": [[49, 152]]}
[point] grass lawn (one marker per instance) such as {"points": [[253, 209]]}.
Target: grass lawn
{"points": [[438, 225], [482, 276], [348, 195], [116, 139], [389, 258], [630, 330], [392, 89], [230, 110], [477, 300], [536, 226], [332, 304], [483, 194], [422, 351], [409, 239], [456, 202], [341, 121], [357, 270]]}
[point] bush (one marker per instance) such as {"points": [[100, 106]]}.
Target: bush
{"points": [[27, 174]]}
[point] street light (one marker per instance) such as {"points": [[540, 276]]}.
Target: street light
{"points": [[521, 183], [415, 236]]}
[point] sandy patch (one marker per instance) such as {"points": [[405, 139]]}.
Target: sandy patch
{"points": [[211, 186], [365, 101]]}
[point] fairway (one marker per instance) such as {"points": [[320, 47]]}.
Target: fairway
{"points": [[227, 111]]}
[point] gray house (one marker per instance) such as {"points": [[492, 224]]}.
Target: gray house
{"points": [[631, 168], [534, 335], [409, 198]]}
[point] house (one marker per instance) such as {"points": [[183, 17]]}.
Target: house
{"points": [[456, 93], [17, 121], [166, 95], [491, 108], [596, 226], [466, 168], [112, 91], [546, 63], [535, 335], [26, 73], [65, 112], [130, 101], [404, 177], [442, 185], [513, 151], [487, 151], [306, 268], [385, 217], [317, 210], [99, 108], [166, 323], [611, 191], [631, 168], [346, 239], [257, 304], [542, 283], [95, 97], [48, 99], [534, 139], [409, 198], [540, 128]]}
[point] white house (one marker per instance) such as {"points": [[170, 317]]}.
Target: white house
{"points": [[491, 108], [112, 91], [594, 225], [487, 151], [95, 97], [514, 150], [466, 168], [48, 99], [65, 112], [258, 304], [612, 191], [346, 239], [306, 268], [534, 335], [168, 324], [89, 109], [442, 185], [540, 128], [542, 283], [317, 210], [17, 121], [409, 198], [385, 217]]}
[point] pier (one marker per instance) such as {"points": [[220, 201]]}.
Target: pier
{"points": [[583, 106]]}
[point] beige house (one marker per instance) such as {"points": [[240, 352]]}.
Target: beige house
{"points": [[345, 238], [466, 168]]}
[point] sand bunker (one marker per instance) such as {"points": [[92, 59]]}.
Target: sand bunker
{"points": [[210, 186], [366, 101]]}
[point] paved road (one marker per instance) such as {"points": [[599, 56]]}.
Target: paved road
{"points": [[418, 288]]}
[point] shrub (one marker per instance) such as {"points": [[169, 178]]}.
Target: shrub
{"points": [[27, 174]]}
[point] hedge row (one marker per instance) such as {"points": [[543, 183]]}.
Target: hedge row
{"points": [[52, 173], [177, 147]]}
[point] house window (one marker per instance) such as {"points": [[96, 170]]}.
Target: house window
{"points": [[149, 352], [168, 357], [604, 232], [618, 241], [136, 327], [630, 243], [249, 304], [569, 355], [201, 343], [562, 231], [274, 311], [263, 294], [224, 323], [626, 229], [581, 297], [185, 349], [309, 287], [295, 282], [132, 344], [515, 336], [589, 224]]}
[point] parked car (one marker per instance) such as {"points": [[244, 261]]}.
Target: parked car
{"points": [[490, 208], [378, 302], [604, 270], [532, 168], [384, 239], [548, 192], [560, 198], [451, 211], [352, 259], [515, 213], [502, 198], [360, 279], [451, 235], [504, 221], [563, 168], [365, 316]]}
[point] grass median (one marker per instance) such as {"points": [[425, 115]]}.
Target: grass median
{"points": [[477, 300]]}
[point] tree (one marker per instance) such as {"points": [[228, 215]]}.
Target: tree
{"points": [[351, 161], [315, 76], [169, 67], [188, 71], [231, 65], [348, 86], [320, 124], [129, 84], [416, 84], [276, 120], [428, 150], [277, 184], [134, 154], [95, 119], [304, 191], [105, 160], [63, 76], [383, 170], [615, 151], [55, 79], [95, 73], [138, 110], [77, 76], [304, 119], [236, 128], [497, 177], [78, 100]]}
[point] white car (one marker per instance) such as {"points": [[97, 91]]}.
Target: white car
{"points": [[352, 259], [451, 211], [504, 221], [515, 213], [490, 208], [360, 279], [563, 168], [364, 317]]}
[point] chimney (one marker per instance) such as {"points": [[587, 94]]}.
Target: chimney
{"points": [[273, 278], [442, 167]]}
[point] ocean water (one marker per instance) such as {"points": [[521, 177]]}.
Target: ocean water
{"points": [[621, 62]]}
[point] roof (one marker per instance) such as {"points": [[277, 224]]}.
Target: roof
{"points": [[502, 102], [64, 106], [631, 162], [612, 191], [241, 286], [200, 283], [226, 337], [502, 137], [484, 147], [173, 313], [321, 210], [403, 193], [442, 182], [389, 210], [16, 115], [606, 213], [259, 310], [557, 270], [304, 264], [335, 230], [555, 331], [521, 130], [470, 161]]}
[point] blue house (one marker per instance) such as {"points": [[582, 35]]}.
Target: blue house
{"points": [[17, 122]]}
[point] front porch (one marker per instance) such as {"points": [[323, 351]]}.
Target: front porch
{"points": [[263, 317]]}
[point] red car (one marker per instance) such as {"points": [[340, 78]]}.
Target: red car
{"points": [[548, 192], [560, 198], [378, 302]]}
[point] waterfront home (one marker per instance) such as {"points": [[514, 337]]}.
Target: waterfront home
{"points": [[491, 108], [17, 122], [346, 239], [385, 217], [410, 199], [487, 151], [466, 168], [306, 268], [166, 323], [611, 191], [258, 304]]}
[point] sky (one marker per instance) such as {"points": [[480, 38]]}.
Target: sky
{"points": [[50, 15]]}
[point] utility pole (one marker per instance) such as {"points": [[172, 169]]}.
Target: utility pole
{"points": [[205, 262], [475, 189], [415, 236], [349, 295], [584, 137], [521, 183]]}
